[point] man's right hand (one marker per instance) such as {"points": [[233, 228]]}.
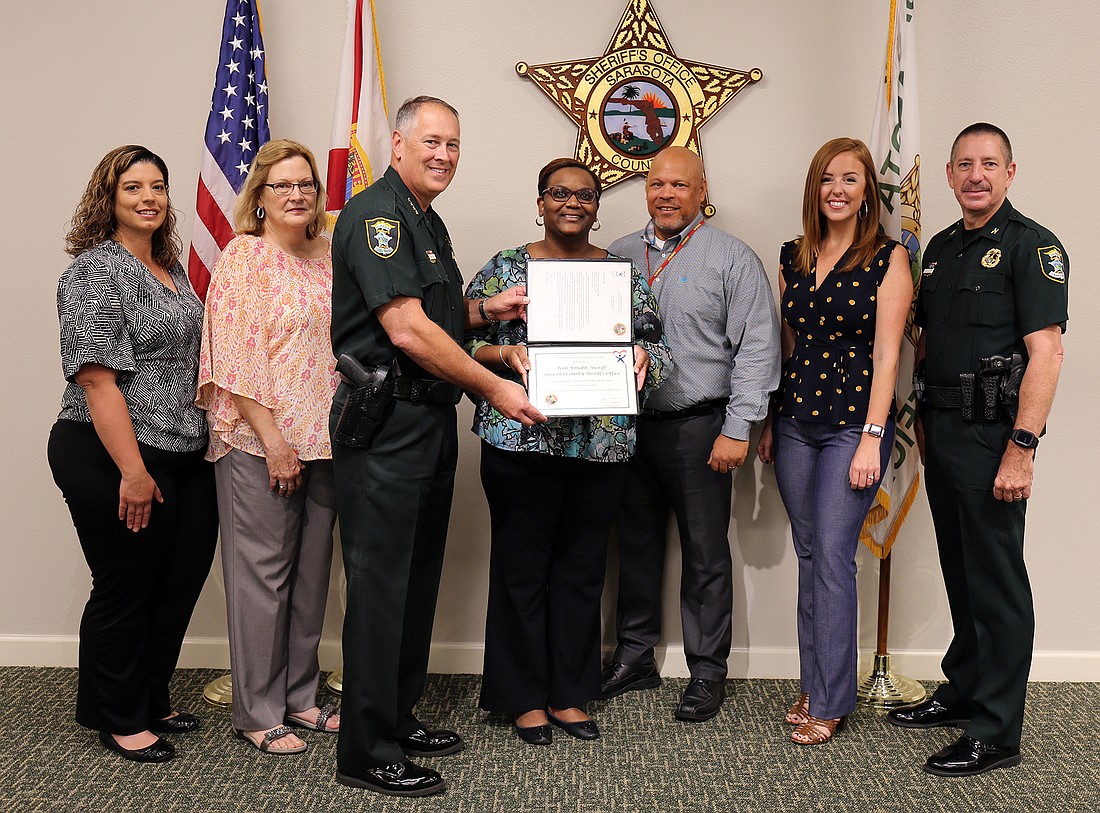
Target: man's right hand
{"points": [[510, 400]]}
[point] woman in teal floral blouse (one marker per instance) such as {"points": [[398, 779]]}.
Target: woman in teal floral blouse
{"points": [[552, 491]]}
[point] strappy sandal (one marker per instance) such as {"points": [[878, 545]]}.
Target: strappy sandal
{"points": [[323, 715], [799, 710], [264, 745], [815, 731]]}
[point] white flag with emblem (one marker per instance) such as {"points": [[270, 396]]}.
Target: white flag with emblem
{"points": [[895, 146]]}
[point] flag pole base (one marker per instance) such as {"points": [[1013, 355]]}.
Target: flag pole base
{"points": [[335, 682], [219, 692], [882, 689]]}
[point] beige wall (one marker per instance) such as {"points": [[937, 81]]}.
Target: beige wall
{"points": [[83, 77]]}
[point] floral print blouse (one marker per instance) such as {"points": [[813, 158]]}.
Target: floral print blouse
{"points": [[605, 438], [266, 337]]}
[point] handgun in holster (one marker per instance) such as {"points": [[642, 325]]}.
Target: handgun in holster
{"points": [[368, 404]]}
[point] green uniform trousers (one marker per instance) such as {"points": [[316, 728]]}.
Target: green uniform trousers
{"points": [[394, 502], [981, 547]]}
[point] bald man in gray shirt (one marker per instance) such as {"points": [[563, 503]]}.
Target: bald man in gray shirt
{"points": [[719, 318]]}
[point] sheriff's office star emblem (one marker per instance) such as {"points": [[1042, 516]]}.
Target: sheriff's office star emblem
{"points": [[1054, 267], [991, 258], [383, 236], [638, 98]]}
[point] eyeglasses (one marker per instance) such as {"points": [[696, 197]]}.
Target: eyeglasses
{"points": [[564, 193], [282, 188]]}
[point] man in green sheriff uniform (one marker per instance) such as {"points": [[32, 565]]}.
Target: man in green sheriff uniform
{"points": [[994, 284], [397, 297]]}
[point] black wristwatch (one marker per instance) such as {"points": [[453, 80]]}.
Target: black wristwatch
{"points": [[1024, 439]]}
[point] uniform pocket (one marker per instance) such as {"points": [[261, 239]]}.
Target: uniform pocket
{"points": [[984, 290]]}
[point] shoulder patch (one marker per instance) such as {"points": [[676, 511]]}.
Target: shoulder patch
{"points": [[1052, 263], [383, 236]]}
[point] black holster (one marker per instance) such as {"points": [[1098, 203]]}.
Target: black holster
{"points": [[367, 406]]}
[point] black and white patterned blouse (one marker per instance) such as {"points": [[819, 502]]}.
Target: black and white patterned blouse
{"points": [[115, 313]]}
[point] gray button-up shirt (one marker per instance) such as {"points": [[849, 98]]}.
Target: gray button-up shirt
{"points": [[719, 318]]}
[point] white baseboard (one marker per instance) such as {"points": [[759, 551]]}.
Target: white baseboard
{"points": [[460, 658]]}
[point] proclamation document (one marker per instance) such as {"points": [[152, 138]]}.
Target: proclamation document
{"points": [[582, 380], [579, 301]]}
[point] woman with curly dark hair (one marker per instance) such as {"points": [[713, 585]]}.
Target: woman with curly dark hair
{"points": [[127, 451]]}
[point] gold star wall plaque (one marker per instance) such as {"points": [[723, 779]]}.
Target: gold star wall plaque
{"points": [[638, 98]]}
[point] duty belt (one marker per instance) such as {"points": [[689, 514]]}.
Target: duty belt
{"points": [[942, 397], [425, 391]]}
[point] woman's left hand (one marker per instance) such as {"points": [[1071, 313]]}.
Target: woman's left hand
{"points": [[284, 470], [641, 366], [864, 471]]}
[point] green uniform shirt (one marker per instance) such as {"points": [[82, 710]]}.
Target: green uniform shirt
{"points": [[981, 292], [385, 246]]}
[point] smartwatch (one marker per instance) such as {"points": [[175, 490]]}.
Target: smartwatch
{"points": [[874, 430], [1024, 439]]}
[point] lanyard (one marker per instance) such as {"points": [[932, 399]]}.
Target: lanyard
{"points": [[654, 274]]}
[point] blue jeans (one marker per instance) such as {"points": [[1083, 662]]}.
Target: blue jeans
{"points": [[826, 514]]}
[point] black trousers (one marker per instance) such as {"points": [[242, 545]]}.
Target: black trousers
{"points": [[394, 502], [550, 518], [981, 547], [669, 474], [144, 584]]}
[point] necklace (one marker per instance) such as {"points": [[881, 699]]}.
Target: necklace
{"points": [[654, 274]]}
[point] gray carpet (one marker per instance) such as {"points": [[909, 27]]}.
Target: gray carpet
{"points": [[646, 761]]}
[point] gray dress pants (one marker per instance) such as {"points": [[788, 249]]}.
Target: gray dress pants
{"points": [[276, 559]]}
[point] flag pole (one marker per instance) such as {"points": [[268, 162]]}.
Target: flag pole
{"points": [[881, 688]]}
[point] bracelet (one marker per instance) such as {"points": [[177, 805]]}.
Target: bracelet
{"points": [[484, 315], [500, 350]]}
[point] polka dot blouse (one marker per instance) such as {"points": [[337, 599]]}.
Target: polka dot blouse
{"points": [[827, 379]]}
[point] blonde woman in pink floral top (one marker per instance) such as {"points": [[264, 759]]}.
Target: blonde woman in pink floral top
{"points": [[266, 379]]}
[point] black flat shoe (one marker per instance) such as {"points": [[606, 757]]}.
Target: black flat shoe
{"points": [[582, 730], [618, 678], [927, 714], [422, 743], [182, 723], [159, 751], [701, 700], [967, 756], [535, 734], [400, 779]]}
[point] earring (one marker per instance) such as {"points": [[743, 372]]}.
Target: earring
{"points": [[596, 225], [260, 213], [538, 220], [863, 210]]}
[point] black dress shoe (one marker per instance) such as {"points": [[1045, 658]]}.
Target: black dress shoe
{"points": [[159, 751], [967, 756], [180, 724], [400, 779], [927, 714], [701, 700], [535, 734], [423, 743], [582, 730], [617, 678]]}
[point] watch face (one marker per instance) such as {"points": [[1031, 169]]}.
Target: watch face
{"points": [[1024, 438]]}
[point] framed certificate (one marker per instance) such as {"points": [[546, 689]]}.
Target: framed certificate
{"points": [[570, 380], [579, 301]]}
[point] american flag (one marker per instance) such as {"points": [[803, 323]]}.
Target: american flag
{"points": [[236, 128]]}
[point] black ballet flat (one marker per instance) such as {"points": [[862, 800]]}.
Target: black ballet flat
{"points": [[159, 751], [535, 734], [182, 723]]}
